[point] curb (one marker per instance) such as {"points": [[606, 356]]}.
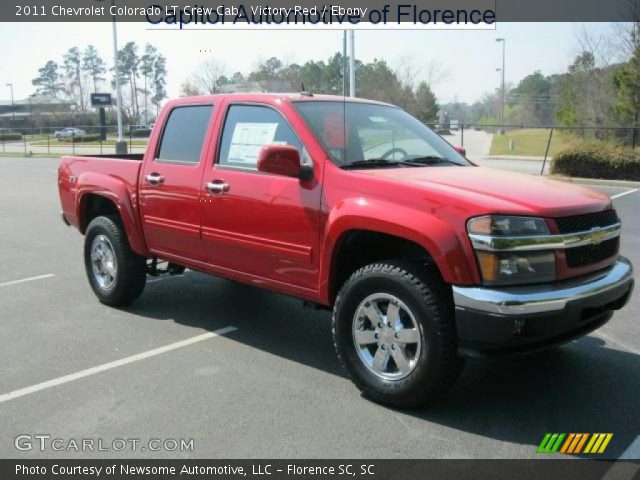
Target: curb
{"points": [[596, 181], [517, 158]]}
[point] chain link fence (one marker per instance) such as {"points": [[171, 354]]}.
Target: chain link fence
{"points": [[479, 140], [78, 140]]}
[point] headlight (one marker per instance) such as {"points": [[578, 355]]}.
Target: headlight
{"points": [[508, 226], [509, 266], [515, 268]]}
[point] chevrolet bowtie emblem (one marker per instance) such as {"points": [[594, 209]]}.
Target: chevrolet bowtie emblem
{"points": [[597, 235]]}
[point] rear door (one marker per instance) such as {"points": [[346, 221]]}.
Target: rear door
{"points": [[170, 185]]}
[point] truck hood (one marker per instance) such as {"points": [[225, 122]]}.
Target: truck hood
{"points": [[500, 191]]}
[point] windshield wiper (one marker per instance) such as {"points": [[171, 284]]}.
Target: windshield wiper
{"points": [[382, 162], [373, 163], [428, 160]]}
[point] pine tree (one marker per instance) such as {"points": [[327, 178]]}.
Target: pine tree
{"points": [[48, 79], [147, 65], [72, 69], [426, 104], [93, 65]]}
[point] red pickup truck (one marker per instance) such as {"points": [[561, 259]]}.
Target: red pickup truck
{"points": [[356, 206]]}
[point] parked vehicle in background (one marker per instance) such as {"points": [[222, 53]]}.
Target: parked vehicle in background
{"points": [[358, 207], [68, 132], [139, 130]]}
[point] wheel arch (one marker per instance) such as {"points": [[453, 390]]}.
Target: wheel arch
{"points": [[108, 196], [375, 231]]}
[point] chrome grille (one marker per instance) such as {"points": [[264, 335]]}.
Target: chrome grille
{"points": [[590, 254], [584, 223]]}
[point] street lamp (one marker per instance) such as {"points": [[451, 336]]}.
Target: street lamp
{"points": [[121, 145], [31, 110], [13, 107], [499, 104], [502, 102], [352, 63]]}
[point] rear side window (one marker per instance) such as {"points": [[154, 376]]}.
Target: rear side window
{"points": [[247, 129], [184, 134]]}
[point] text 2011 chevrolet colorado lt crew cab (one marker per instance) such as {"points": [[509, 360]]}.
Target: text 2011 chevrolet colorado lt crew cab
{"points": [[357, 206]]}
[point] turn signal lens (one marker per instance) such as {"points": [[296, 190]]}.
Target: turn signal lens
{"points": [[488, 265]]}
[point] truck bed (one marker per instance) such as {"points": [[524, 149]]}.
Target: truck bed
{"points": [[129, 156]]}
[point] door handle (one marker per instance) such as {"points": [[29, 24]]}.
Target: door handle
{"points": [[217, 186], [154, 179]]}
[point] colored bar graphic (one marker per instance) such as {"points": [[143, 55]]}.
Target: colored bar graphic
{"points": [[566, 445], [582, 442], [551, 442], [597, 443], [606, 442]]}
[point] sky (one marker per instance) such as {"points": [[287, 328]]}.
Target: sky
{"points": [[465, 61]]}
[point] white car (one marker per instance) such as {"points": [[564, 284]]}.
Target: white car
{"points": [[68, 132]]}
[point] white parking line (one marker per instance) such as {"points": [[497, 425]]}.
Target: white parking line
{"points": [[14, 282], [154, 280], [624, 193], [117, 363]]}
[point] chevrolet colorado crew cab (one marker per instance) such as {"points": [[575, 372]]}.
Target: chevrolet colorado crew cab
{"points": [[356, 206]]}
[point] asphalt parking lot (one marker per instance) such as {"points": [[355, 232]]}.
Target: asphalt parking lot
{"points": [[273, 386]]}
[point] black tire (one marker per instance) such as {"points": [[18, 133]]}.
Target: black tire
{"points": [[131, 274], [422, 290]]}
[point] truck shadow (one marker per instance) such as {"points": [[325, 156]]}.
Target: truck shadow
{"points": [[583, 387]]}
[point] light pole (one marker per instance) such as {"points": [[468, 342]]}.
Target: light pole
{"points": [[344, 64], [352, 64], [502, 102], [121, 145], [31, 111], [13, 107], [499, 103]]}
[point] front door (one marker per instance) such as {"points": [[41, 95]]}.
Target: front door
{"points": [[255, 223], [170, 187]]}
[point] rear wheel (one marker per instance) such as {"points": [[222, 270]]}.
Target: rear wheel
{"points": [[394, 333], [116, 274]]}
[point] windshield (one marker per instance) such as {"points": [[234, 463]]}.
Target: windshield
{"points": [[366, 135]]}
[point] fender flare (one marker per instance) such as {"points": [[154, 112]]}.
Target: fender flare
{"points": [[122, 194], [434, 235]]}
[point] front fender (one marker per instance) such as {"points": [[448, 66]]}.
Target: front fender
{"points": [[433, 234], [122, 194]]}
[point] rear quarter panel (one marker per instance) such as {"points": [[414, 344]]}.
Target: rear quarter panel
{"points": [[112, 178]]}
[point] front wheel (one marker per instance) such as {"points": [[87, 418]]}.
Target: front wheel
{"points": [[116, 274], [394, 332]]}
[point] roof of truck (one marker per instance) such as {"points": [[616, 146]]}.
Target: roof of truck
{"points": [[287, 97]]}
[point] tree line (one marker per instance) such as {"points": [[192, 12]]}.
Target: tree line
{"points": [[142, 76], [600, 89], [376, 80]]}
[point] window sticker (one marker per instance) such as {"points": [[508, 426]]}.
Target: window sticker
{"points": [[248, 139]]}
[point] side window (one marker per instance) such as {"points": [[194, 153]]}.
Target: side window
{"points": [[184, 134], [247, 129]]}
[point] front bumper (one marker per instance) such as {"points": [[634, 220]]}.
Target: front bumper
{"points": [[527, 318]]}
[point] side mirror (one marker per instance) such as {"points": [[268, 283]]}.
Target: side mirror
{"points": [[461, 150], [282, 160]]}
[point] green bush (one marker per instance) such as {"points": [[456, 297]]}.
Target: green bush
{"points": [[598, 161], [10, 136], [91, 137]]}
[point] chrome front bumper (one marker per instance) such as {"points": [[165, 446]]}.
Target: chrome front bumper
{"points": [[497, 321], [527, 300]]}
